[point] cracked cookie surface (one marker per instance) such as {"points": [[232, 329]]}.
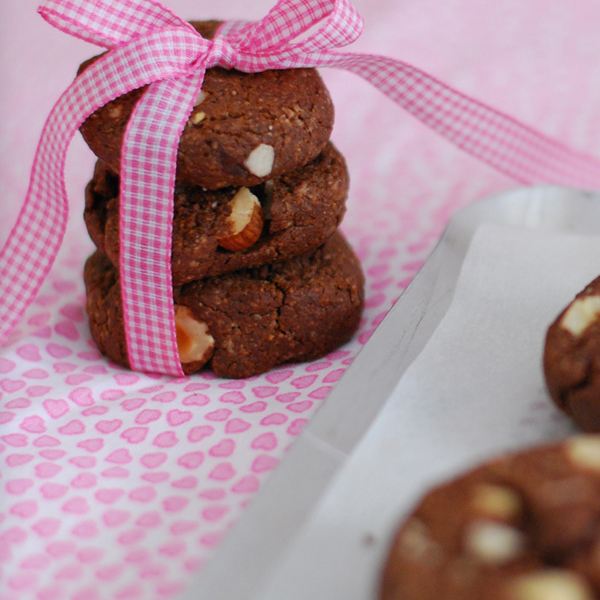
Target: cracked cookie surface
{"points": [[246, 128], [296, 310], [572, 359], [302, 209], [522, 527]]}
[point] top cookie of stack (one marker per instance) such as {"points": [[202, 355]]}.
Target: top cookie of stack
{"points": [[245, 128]]}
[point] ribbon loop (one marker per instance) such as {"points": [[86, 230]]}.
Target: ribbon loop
{"points": [[290, 19], [108, 23]]}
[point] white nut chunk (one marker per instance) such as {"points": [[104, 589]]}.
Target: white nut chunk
{"points": [[584, 451], [244, 222], [493, 543], [496, 501], [194, 342], [260, 160], [551, 584], [581, 314]]}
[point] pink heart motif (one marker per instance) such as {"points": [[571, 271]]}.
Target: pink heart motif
{"points": [[29, 352], [36, 374], [72, 428], [126, 378], [73, 311], [108, 495], [236, 426], [47, 470], [63, 367], [191, 460], [222, 472], [18, 486], [77, 505], [296, 426], [82, 396], [147, 416], [303, 382], [108, 426], [279, 376], [120, 457], [175, 503], [55, 408], [199, 433], [247, 484], [233, 397], [135, 435], [84, 480], [67, 329], [24, 509], [265, 441], [46, 527], [223, 448], [50, 491], [12, 385], [153, 460], [92, 445], [57, 351], [16, 460], [115, 517], [33, 424], [78, 378], [177, 417], [143, 494], [166, 439]]}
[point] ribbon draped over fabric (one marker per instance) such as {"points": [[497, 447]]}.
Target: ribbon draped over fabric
{"points": [[150, 45]]}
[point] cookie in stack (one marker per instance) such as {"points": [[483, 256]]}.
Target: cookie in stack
{"points": [[261, 274]]}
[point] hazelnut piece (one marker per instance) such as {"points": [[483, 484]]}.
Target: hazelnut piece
{"points": [[260, 160], [584, 451], [581, 314], [194, 342], [494, 543], [244, 223], [551, 584]]}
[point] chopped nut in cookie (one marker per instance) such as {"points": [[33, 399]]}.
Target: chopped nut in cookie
{"points": [[194, 342], [581, 314], [260, 161], [550, 584], [197, 117], [200, 98], [584, 451], [244, 223], [493, 543], [415, 542], [497, 501]]}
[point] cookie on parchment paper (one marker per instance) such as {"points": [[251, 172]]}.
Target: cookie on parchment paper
{"points": [[525, 526], [572, 359]]}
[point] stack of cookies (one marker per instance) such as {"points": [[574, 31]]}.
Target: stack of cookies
{"points": [[261, 274]]}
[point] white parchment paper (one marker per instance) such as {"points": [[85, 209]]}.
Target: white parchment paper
{"points": [[476, 390]]}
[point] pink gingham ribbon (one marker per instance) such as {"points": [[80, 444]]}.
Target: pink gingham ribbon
{"points": [[151, 45]]}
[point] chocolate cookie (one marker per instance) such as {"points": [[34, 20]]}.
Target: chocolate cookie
{"points": [[245, 129], [300, 210], [523, 527], [246, 322], [572, 359]]}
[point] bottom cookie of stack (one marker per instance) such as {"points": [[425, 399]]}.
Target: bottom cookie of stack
{"points": [[245, 323]]}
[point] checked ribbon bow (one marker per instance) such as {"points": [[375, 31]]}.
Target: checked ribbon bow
{"points": [[151, 45]]}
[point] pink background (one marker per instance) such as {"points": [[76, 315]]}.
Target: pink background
{"points": [[121, 485]]}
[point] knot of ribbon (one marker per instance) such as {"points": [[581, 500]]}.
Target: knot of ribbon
{"points": [[150, 45]]}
